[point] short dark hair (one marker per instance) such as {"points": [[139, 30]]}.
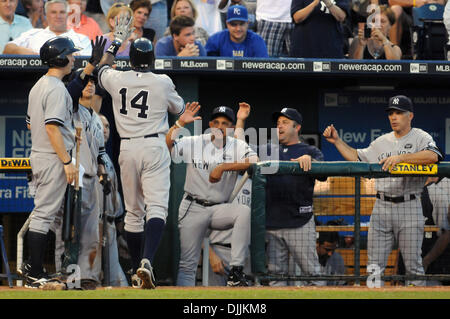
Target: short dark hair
{"points": [[328, 236], [136, 4], [178, 23]]}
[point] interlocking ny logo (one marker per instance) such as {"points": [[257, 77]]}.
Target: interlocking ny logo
{"points": [[395, 101], [222, 109], [237, 11], [284, 110]]}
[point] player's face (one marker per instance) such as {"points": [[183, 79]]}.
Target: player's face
{"points": [[183, 8], [238, 30], [7, 9], [324, 251], [57, 17], [219, 127], [68, 68], [89, 90], [400, 121], [106, 130], [287, 130], [140, 17], [187, 35]]}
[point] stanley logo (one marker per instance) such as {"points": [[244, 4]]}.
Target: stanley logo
{"points": [[404, 168]]}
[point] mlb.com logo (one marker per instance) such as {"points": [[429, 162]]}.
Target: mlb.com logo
{"points": [[418, 68]]}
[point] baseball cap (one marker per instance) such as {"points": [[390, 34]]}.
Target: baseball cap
{"points": [[290, 113], [223, 111], [401, 103], [237, 13]]}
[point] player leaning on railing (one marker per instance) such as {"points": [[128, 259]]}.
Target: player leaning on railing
{"points": [[397, 214]]}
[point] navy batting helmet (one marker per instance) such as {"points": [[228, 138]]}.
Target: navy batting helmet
{"points": [[141, 54], [54, 52]]}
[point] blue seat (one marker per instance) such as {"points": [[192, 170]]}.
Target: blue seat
{"points": [[429, 36], [5, 259]]}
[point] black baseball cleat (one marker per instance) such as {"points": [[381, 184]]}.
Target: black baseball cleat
{"points": [[145, 273], [237, 277]]}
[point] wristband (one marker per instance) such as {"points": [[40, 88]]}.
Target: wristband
{"points": [[67, 163], [114, 47], [178, 124], [414, 3]]}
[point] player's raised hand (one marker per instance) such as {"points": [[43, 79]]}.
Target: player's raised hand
{"points": [[98, 47], [243, 112], [123, 28], [330, 134], [189, 114]]}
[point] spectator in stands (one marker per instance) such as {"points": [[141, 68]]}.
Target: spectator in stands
{"points": [[81, 23], [237, 40], [187, 8], [141, 11], [31, 41], [208, 15], [447, 26], [331, 262], [94, 10], [403, 16], [35, 12], [158, 19], [182, 41], [11, 24], [274, 25], [115, 10], [251, 8], [378, 46], [318, 32]]}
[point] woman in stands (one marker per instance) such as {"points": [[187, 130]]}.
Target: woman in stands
{"points": [[378, 46]]}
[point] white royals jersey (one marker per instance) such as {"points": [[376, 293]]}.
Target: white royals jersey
{"points": [[201, 157], [140, 101], [388, 145]]}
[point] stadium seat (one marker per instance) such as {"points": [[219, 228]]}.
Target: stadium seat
{"points": [[5, 259], [429, 36]]}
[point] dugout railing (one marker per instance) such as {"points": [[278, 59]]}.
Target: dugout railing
{"points": [[352, 191]]}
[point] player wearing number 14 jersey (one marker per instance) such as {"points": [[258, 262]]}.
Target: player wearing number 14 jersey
{"points": [[141, 102]]}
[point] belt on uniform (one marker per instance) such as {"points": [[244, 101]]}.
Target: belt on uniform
{"points": [[399, 199], [201, 201], [145, 136], [223, 245]]}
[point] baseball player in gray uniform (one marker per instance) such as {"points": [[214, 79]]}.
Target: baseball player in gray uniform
{"points": [[113, 209], [91, 149], [49, 116], [220, 244], [212, 160], [141, 102], [397, 213]]}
